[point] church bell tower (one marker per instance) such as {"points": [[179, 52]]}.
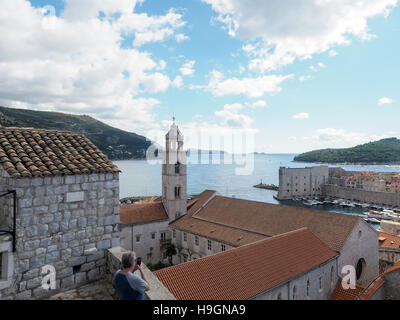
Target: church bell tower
{"points": [[174, 196]]}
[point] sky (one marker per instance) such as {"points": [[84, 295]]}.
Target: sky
{"points": [[294, 75]]}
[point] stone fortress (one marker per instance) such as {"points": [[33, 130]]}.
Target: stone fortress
{"points": [[376, 188]]}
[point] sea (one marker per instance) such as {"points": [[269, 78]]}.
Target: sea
{"points": [[235, 179]]}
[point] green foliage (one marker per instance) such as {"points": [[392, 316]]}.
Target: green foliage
{"points": [[382, 151], [115, 143]]}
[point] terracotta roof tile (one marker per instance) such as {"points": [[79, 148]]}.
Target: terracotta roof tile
{"points": [[343, 294], [138, 213], [27, 152], [264, 219], [245, 272], [388, 241]]}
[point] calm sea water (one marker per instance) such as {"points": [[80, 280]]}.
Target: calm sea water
{"points": [[139, 178]]}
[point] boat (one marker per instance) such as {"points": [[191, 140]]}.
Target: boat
{"points": [[262, 185]]}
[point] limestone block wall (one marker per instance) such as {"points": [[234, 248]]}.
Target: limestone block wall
{"points": [[391, 288], [296, 288], [67, 222], [148, 247]]}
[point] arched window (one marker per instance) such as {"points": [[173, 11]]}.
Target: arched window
{"points": [[359, 268]]}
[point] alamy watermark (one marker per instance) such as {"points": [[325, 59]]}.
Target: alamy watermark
{"points": [[229, 147]]}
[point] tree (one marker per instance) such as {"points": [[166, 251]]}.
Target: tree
{"points": [[170, 251]]}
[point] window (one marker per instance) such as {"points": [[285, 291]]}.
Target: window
{"points": [[332, 274], [320, 283], [359, 268], [185, 258], [196, 240], [162, 236], [359, 234], [308, 288], [209, 245], [177, 167], [185, 236], [138, 238], [177, 215], [153, 235], [294, 294], [279, 296], [223, 248], [177, 192]]}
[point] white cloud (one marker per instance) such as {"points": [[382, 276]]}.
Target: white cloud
{"points": [[332, 53], [257, 104], [232, 118], [302, 115], [180, 37], [321, 65], [46, 66], [250, 87], [280, 33], [187, 69], [178, 82], [385, 100]]}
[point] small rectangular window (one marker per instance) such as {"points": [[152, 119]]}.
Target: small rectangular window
{"points": [[209, 245], [153, 235], [138, 238], [223, 248], [196, 240], [162, 235], [184, 236]]}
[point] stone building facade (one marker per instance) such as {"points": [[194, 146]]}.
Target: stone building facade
{"points": [[67, 210], [302, 182]]}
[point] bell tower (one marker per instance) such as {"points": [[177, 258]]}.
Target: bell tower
{"points": [[174, 196]]}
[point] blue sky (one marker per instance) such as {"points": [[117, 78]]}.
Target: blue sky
{"points": [[297, 74]]}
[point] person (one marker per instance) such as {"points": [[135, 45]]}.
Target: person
{"points": [[130, 286]]}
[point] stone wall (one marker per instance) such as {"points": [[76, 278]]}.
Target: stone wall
{"points": [[372, 197], [67, 222]]}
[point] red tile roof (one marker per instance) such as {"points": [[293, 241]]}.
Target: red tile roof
{"points": [[27, 152], [244, 272], [388, 241], [139, 213], [346, 294], [262, 219]]}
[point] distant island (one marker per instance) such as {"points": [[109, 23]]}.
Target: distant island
{"points": [[385, 151], [115, 143]]}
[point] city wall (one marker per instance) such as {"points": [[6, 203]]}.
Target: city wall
{"points": [[372, 197]]}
